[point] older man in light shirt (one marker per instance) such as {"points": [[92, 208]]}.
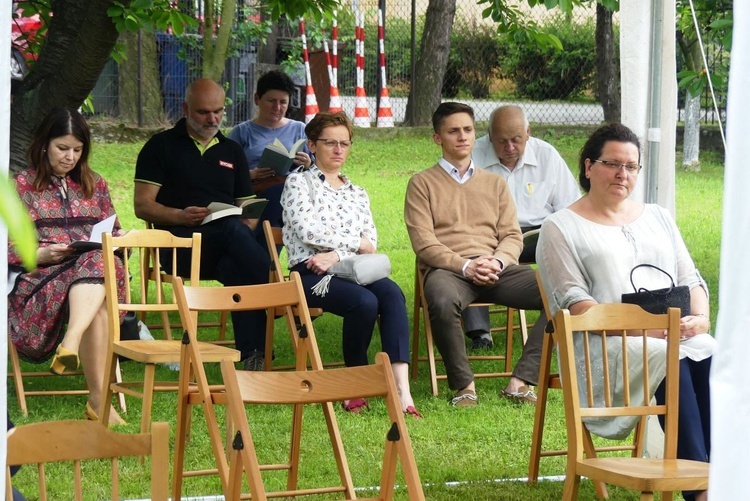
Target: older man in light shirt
{"points": [[539, 181]]}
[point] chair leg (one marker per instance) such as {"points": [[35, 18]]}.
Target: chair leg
{"points": [[110, 377], [148, 396], [223, 326], [509, 339], [415, 327], [183, 425], [294, 449], [522, 324], [647, 496], [270, 313], [541, 409], [15, 363], [120, 396], [338, 451], [430, 354], [590, 451], [415, 345]]}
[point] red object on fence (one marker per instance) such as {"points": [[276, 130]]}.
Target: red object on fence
{"points": [[311, 102], [361, 113], [385, 113]]}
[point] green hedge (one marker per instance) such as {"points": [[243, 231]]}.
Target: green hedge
{"points": [[541, 74]]}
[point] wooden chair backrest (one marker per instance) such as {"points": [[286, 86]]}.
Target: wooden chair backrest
{"points": [[325, 387], [145, 245], [76, 441], [285, 294], [622, 322], [273, 241]]}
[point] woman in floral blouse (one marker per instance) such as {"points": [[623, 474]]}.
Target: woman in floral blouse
{"points": [[327, 219], [58, 310]]}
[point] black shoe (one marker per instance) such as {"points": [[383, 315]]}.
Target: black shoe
{"points": [[255, 362], [481, 343]]}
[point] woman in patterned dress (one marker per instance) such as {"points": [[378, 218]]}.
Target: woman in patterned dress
{"points": [[326, 219], [65, 198]]}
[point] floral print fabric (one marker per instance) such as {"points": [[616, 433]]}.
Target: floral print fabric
{"points": [[37, 305]]}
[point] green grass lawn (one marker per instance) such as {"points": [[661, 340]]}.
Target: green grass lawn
{"points": [[461, 454]]}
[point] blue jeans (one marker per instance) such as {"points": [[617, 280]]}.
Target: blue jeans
{"points": [[360, 306], [230, 254]]}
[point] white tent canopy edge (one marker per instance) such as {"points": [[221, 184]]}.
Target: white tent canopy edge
{"points": [[730, 379]]}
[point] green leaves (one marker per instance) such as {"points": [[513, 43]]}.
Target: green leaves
{"points": [[308, 9], [21, 230], [150, 14]]}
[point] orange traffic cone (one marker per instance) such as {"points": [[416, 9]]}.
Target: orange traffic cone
{"points": [[311, 104]]}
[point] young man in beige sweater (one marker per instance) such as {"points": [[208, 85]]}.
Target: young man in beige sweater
{"points": [[463, 227]]}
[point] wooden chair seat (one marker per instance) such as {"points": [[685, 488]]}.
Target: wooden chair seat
{"points": [[650, 475]]}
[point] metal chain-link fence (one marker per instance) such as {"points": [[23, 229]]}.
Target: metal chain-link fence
{"points": [[485, 69]]}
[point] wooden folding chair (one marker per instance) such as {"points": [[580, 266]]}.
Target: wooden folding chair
{"points": [[308, 387], [148, 352], [192, 300], [274, 240], [549, 380], [76, 441], [151, 271], [622, 322], [421, 314]]}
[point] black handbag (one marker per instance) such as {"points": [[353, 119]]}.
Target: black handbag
{"points": [[658, 301]]}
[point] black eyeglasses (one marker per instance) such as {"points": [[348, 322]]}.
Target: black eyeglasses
{"points": [[631, 167], [331, 144]]}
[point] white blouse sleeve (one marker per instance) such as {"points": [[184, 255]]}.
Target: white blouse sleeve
{"points": [[562, 275]]}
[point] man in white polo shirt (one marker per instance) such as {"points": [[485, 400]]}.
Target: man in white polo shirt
{"points": [[539, 181]]}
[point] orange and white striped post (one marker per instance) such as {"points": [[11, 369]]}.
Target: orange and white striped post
{"points": [[311, 102], [385, 113], [361, 113], [334, 103]]}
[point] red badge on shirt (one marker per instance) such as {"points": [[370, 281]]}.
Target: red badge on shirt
{"points": [[227, 165]]}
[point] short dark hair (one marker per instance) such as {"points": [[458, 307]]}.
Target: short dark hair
{"points": [[275, 80], [447, 109], [57, 123], [592, 150], [324, 120]]}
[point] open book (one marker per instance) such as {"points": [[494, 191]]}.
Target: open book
{"points": [[95, 240], [250, 209], [278, 158]]}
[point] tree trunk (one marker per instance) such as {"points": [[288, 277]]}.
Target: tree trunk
{"points": [[607, 65], [78, 44], [151, 105], [215, 53], [269, 46], [427, 82], [692, 136]]}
